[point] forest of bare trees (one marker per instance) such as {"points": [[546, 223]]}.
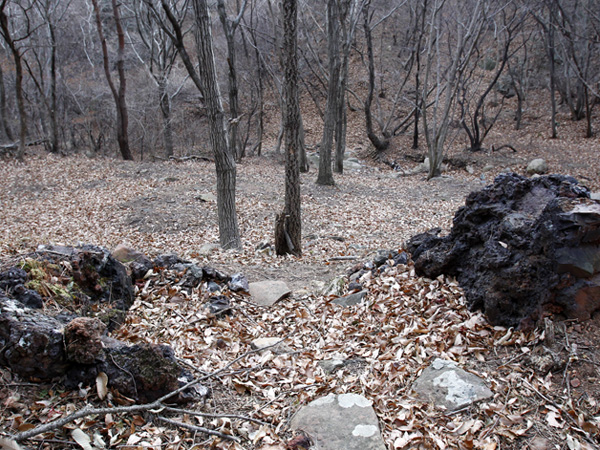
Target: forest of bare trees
{"points": [[130, 78]]}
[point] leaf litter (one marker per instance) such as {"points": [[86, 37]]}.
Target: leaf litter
{"points": [[404, 322]]}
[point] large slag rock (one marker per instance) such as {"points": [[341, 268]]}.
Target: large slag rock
{"points": [[520, 248], [87, 293]]}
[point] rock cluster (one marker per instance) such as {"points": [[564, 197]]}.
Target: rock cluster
{"points": [[87, 293], [521, 248]]}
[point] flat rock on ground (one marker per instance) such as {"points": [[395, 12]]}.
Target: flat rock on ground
{"points": [[443, 383], [335, 422], [268, 292]]}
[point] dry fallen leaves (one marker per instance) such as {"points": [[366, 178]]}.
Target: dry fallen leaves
{"points": [[387, 341]]}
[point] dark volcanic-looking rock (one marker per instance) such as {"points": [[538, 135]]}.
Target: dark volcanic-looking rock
{"points": [[83, 339], [31, 343], [97, 278], [142, 371], [520, 247], [12, 282]]}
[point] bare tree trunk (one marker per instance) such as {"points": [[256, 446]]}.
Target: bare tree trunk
{"points": [[165, 109], [288, 233], [118, 94], [325, 176], [229, 27], [341, 123], [419, 31], [229, 235], [54, 143], [4, 109], [551, 58], [469, 25], [379, 144], [17, 57], [302, 148]]}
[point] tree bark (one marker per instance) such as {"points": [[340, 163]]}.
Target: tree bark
{"points": [[118, 93], [379, 144], [288, 229], [165, 109], [4, 109], [325, 176], [17, 57], [229, 27], [229, 235], [54, 143]]}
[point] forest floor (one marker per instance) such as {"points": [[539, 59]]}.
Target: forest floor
{"points": [[406, 321]]}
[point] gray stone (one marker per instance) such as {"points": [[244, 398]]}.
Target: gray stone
{"points": [[331, 365], [351, 165], [207, 249], [335, 422], [266, 293], [351, 300], [537, 166], [334, 287], [207, 197], [262, 343], [595, 195], [238, 283], [313, 158], [443, 383], [125, 254]]}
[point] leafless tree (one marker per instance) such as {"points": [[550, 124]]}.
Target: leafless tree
{"points": [[288, 229], [342, 19], [15, 28], [475, 84], [230, 26], [454, 28], [386, 118], [579, 48], [205, 79], [159, 59], [119, 91]]}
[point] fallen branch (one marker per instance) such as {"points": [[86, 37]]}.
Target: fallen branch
{"points": [[15, 145], [199, 429], [343, 258], [216, 416], [494, 149], [189, 158], [586, 435]]}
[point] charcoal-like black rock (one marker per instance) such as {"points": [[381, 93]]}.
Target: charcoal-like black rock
{"points": [[219, 305], [521, 248], [239, 283]]}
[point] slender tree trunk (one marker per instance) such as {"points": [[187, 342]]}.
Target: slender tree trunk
{"points": [[325, 176], [379, 144], [288, 234], [229, 235], [302, 148], [54, 143], [341, 122], [17, 57], [118, 94], [419, 31], [229, 31], [551, 58], [165, 108], [4, 109]]}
